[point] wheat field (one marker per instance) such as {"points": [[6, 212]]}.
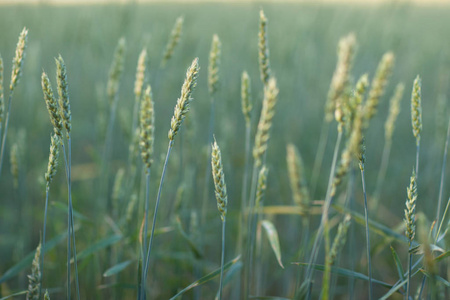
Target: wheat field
{"points": [[231, 151]]}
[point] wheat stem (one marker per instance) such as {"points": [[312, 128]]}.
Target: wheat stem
{"points": [[366, 217], [326, 205], [222, 258], [318, 160], [147, 260], [444, 163], [2, 153]]}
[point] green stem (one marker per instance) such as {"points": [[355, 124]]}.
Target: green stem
{"points": [[69, 223], [147, 260], [147, 200], [324, 219], [444, 163], [2, 153], [408, 286], [222, 258], [366, 214], [319, 156], [43, 238], [249, 234]]}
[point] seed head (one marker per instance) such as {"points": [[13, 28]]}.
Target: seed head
{"points": [[63, 93], [394, 109], [147, 128], [173, 40], [262, 185], [140, 74], [52, 106], [52, 159], [116, 70], [214, 64], [263, 45], [219, 180], [246, 96], [18, 59], [34, 280], [297, 179], [416, 108], [410, 211], [265, 121], [182, 106]]}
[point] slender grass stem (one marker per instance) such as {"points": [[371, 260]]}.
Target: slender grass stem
{"points": [[222, 258], [442, 220], [69, 223], [326, 206], [327, 272], [71, 216], [47, 190], [408, 286], [2, 152], [319, 156], [249, 234], [147, 200], [444, 163], [147, 260], [366, 215], [417, 159]]}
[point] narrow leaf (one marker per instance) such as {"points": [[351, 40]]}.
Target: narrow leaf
{"points": [[98, 246], [398, 264], [272, 235], [117, 268], [207, 278], [14, 295], [346, 273]]}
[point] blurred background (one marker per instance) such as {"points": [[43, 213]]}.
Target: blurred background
{"points": [[303, 38]]}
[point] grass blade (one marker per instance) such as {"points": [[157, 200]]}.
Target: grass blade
{"points": [[117, 268], [207, 278], [98, 246], [272, 235], [398, 264]]}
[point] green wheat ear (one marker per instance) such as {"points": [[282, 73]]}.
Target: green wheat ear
{"points": [[16, 72], [214, 64], [416, 108], [263, 46], [34, 279], [219, 180], [147, 128], [410, 211]]}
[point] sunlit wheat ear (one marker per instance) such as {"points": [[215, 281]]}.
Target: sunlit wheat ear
{"points": [[394, 110], [34, 279], [410, 211], [263, 47], [14, 159], [52, 159], [340, 79], [246, 96], [52, 106], [214, 65], [297, 179], [219, 180], [147, 128], [140, 73], [378, 86], [2, 94], [265, 121], [63, 93], [339, 240], [416, 108], [116, 70], [262, 185], [182, 106], [173, 40], [18, 59]]}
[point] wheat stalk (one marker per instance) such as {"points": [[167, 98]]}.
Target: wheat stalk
{"points": [[180, 111], [14, 159], [222, 199], [16, 73]]}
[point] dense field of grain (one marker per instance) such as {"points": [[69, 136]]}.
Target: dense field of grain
{"points": [[303, 41]]}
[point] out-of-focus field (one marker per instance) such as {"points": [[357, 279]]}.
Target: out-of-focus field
{"points": [[302, 39]]}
